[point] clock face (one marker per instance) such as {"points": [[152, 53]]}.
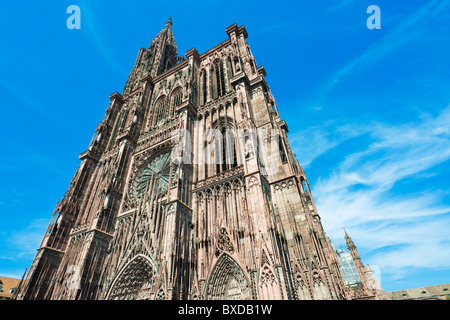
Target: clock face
{"points": [[154, 176]]}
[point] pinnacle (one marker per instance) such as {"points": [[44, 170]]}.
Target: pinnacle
{"points": [[346, 234], [169, 22]]}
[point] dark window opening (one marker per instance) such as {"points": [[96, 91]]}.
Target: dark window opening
{"points": [[205, 93], [282, 152]]}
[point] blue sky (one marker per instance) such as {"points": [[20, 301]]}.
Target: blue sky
{"points": [[368, 112]]}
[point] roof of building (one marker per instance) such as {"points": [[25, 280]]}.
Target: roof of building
{"points": [[429, 292], [6, 285]]}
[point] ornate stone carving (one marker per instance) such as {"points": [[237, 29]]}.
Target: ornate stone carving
{"points": [[215, 230], [135, 281], [267, 278], [224, 243], [227, 281]]}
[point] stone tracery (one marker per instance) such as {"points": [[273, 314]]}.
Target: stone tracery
{"points": [[156, 172], [204, 223], [227, 281], [135, 281], [224, 242]]}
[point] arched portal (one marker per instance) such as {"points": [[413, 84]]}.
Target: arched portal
{"points": [[227, 281], [135, 280]]}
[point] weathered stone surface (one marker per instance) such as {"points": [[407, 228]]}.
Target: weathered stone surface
{"points": [[136, 224]]}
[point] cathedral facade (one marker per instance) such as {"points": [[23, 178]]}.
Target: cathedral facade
{"points": [[188, 190]]}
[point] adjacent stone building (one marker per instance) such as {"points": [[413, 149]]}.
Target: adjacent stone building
{"points": [[436, 292], [188, 190], [360, 281]]}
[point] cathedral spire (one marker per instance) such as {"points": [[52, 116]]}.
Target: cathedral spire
{"points": [[169, 23], [160, 56], [348, 240], [165, 35], [355, 255], [350, 244], [164, 49]]}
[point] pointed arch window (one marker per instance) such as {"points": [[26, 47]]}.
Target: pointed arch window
{"points": [[177, 98], [218, 80], [282, 152], [112, 140], [230, 68], [160, 111], [226, 151], [229, 149], [204, 88], [124, 119]]}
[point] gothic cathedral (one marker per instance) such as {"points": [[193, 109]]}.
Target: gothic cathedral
{"points": [[175, 198]]}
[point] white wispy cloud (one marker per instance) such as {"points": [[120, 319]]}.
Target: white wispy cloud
{"points": [[405, 30], [23, 243], [318, 140], [397, 151], [90, 23], [402, 230]]}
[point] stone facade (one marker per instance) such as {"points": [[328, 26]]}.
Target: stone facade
{"points": [[161, 207]]}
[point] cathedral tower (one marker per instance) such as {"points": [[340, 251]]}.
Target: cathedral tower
{"points": [[188, 190], [369, 287], [355, 255]]}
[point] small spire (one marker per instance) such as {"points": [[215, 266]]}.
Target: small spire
{"points": [[169, 23], [347, 237], [349, 241]]}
